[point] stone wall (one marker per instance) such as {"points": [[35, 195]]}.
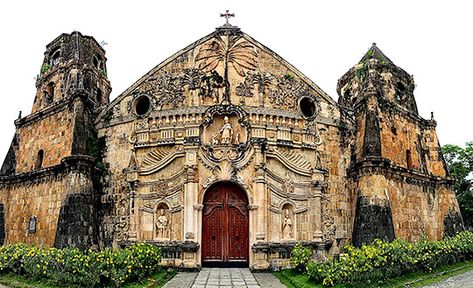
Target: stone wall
{"points": [[50, 198], [392, 200], [53, 135]]}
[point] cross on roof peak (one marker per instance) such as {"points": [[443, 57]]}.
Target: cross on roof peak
{"points": [[227, 16]]}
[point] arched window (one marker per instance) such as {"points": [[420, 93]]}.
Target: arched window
{"points": [[409, 159], [39, 159], [401, 89], [54, 56], [97, 61]]}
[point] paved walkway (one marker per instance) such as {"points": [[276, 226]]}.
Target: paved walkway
{"points": [[464, 280], [224, 278]]}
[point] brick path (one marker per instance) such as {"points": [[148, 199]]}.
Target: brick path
{"points": [[224, 278]]}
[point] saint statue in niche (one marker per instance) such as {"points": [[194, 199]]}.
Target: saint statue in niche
{"points": [[226, 132], [287, 226], [162, 225]]}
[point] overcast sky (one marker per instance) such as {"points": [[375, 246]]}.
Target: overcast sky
{"points": [[431, 40]]}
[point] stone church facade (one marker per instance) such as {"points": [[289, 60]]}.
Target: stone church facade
{"points": [[223, 154]]}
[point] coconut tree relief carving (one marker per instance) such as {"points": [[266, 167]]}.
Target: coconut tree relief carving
{"points": [[232, 50]]}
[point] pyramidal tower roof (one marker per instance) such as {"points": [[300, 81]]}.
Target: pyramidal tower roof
{"points": [[375, 53]]}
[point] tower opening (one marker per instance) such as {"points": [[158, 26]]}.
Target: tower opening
{"points": [[54, 56], [39, 159], [409, 159]]}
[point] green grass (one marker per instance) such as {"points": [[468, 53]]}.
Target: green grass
{"points": [[156, 281], [16, 281], [416, 279]]}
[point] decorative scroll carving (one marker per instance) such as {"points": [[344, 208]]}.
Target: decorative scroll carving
{"points": [[157, 159], [292, 160]]}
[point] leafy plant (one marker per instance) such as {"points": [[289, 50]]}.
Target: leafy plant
{"points": [[300, 257], [72, 267], [460, 164], [44, 68], [379, 261]]}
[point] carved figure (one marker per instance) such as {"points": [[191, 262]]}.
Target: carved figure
{"points": [[287, 226], [161, 225], [209, 86], [288, 184], [226, 132]]}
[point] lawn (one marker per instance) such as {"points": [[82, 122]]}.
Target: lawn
{"points": [[416, 279], [157, 280]]}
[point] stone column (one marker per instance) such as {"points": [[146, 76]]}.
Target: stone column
{"points": [[316, 206], [259, 198], [132, 179], [259, 260], [317, 210], [190, 196]]}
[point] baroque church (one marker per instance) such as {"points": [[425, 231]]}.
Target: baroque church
{"points": [[223, 154]]}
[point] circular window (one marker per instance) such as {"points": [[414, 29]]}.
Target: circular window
{"points": [[307, 106], [142, 105]]}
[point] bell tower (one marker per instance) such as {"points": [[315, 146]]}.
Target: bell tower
{"points": [[71, 88], [72, 64], [396, 162]]}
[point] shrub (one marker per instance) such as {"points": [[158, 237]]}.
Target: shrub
{"points": [[374, 263], [72, 267], [300, 257]]}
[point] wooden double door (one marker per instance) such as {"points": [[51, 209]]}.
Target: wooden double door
{"points": [[225, 227]]}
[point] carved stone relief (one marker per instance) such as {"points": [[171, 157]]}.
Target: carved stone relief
{"points": [[230, 51], [328, 221], [225, 133], [122, 208]]}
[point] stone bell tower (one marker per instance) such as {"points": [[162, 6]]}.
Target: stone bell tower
{"points": [[72, 85], [397, 174], [53, 154]]}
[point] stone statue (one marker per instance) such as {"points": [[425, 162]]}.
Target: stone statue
{"points": [[288, 184], [226, 132], [287, 226], [162, 225]]}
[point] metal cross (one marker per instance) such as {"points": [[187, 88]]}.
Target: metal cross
{"points": [[227, 15]]}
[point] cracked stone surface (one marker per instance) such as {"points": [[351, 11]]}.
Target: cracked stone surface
{"points": [[223, 278]]}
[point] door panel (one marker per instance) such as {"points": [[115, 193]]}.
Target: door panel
{"points": [[225, 227]]}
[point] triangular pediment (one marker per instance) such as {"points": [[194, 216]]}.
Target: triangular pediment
{"points": [[226, 66]]}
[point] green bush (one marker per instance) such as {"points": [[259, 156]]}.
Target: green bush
{"points": [[72, 267], [374, 263], [300, 257]]}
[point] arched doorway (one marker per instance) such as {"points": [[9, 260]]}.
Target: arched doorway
{"points": [[225, 226]]}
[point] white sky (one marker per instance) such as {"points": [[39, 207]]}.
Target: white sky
{"points": [[431, 40]]}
